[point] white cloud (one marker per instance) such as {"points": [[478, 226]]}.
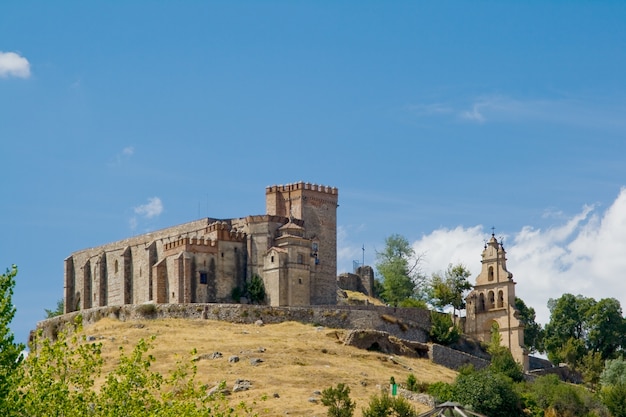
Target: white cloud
{"points": [[13, 65], [583, 254], [152, 208], [474, 114], [588, 112], [122, 156]]}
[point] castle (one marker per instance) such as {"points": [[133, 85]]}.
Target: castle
{"points": [[293, 248]]}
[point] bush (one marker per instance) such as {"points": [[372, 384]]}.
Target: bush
{"points": [[383, 405], [338, 401], [440, 391], [614, 398], [147, 310], [487, 393]]}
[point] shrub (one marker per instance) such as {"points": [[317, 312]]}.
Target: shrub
{"points": [[440, 391], [488, 393], [338, 401], [147, 310], [384, 405]]}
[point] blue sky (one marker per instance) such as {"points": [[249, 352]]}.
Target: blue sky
{"points": [[436, 120]]}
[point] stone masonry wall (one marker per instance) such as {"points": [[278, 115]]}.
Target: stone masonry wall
{"points": [[410, 324], [454, 359]]}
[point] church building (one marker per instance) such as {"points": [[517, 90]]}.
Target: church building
{"points": [[492, 302]]}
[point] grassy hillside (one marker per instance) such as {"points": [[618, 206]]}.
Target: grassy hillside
{"points": [[298, 360]]}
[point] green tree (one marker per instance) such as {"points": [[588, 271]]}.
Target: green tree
{"points": [[256, 289], [605, 328], [565, 332], [502, 361], [399, 267], [10, 352], [450, 288], [58, 311], [488, 393], [442, 330], [533, 333], [580, 326], [338, 401]]}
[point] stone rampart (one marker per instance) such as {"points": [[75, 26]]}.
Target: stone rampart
{"points": [[406, 323], [454, 359]]}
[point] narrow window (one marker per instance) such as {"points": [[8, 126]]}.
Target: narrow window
{"points": [[300, 258], [299, 280], [204, 278], [490, 277], [492, 300], [116, 266], [500, 299], [272, 259]]}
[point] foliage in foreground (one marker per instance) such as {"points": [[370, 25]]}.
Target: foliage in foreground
{"points": [[58, 378], [10, 352]]}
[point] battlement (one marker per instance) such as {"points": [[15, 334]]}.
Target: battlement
{"points": [[224, 231], [190, 244], [296, 186]]}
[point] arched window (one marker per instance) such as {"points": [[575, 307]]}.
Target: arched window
{"points": [[492, 300], [481, 302], [490, 274], [500, 299]]}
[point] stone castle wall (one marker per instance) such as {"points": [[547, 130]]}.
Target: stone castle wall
{"points": [[405, 323], [207, 260]]}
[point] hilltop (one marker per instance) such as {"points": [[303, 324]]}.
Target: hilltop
{"points": [[298, 360]]}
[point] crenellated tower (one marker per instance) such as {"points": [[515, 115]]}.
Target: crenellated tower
{"points": [[492, 301], [316, 206]]}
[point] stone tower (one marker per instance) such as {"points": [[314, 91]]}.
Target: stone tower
{"points": [[317, 207], [493, 301]]}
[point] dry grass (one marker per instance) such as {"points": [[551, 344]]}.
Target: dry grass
{"points": [[298, 360]]}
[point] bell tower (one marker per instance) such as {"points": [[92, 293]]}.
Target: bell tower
{"points": [[492, 301]]}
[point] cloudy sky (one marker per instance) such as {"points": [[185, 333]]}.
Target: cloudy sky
{"points": [[437, 120]]}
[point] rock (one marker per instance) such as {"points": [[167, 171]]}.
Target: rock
{"points": [[317, 393], [313, 400], [242, 385], [91, 338], [233, 359], [218, 389], [261, 350], [214, 355], [259, 323], [255, 361], [275, 395]]}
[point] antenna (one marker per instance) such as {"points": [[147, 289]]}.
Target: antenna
{"points": [[363, 248]]}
